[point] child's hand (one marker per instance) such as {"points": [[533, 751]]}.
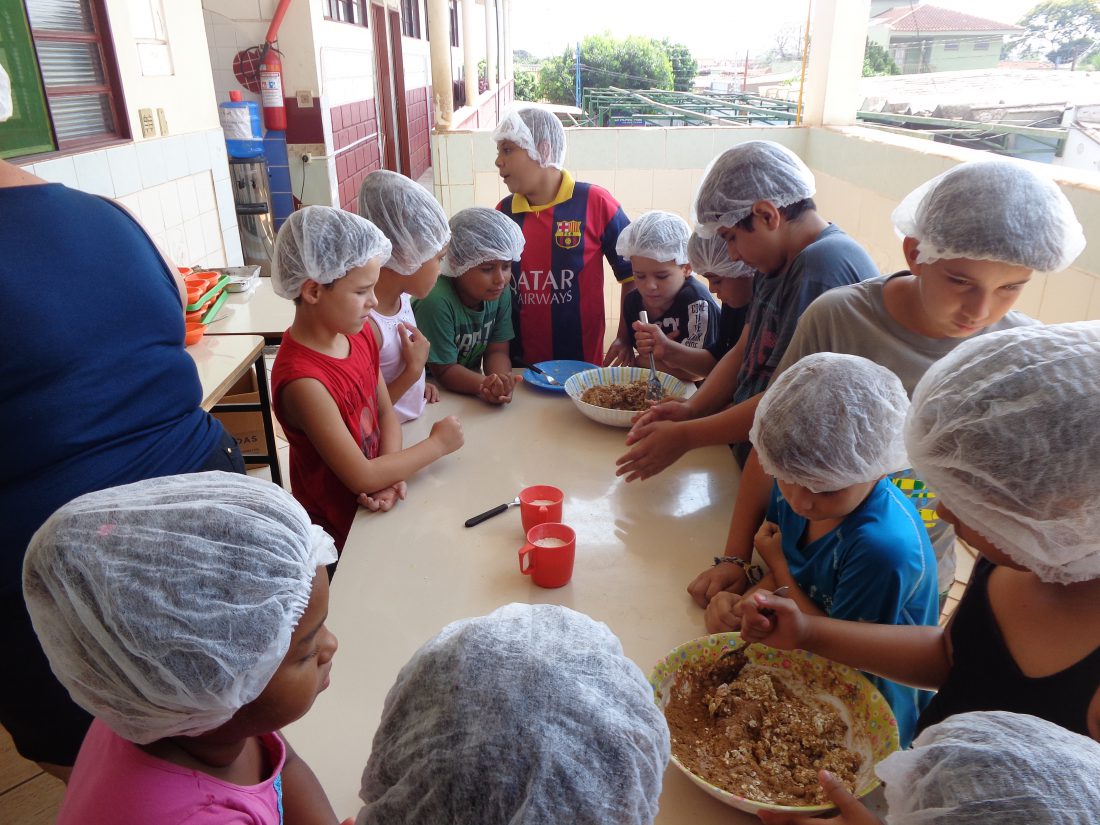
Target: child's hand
{"points": [[431, 393], [714, 580], [656, 445], [775, 621], [618, 354], [448, 432], [496, 388], [414, 347], [650, 338], [720, 616], [851, 811], [383, 500], [769, 544], [672, 409]]}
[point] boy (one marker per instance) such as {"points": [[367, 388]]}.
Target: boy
{"points": [[838, 534], [680, 311], [558, 306], [964, 275], [327, 391], [758, 196], [731, 282]]}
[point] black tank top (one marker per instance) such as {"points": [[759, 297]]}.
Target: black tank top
{"points": [[984, 676]]}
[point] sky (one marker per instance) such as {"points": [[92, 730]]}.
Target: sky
{"points": [[710, 28]]}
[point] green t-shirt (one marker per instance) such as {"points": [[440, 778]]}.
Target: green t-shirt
{"points": [[460, 335]]}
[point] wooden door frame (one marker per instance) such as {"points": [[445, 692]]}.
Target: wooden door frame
{"points": [[383, 70], [401, 108]]}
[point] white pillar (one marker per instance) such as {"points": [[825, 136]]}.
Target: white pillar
{"points": [[439, 49], [509, 62], [837, 40], [469, 57], [491, 43]]}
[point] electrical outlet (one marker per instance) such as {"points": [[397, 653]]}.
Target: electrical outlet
{"points": [[305, 98], [163, 121], [148, 125]]}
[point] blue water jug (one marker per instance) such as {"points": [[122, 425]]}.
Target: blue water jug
{"points": [[240, 120]]}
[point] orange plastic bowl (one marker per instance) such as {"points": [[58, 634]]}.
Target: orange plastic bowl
{"points": [[194, 332]]}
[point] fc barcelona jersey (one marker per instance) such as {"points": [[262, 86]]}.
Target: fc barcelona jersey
{"points": [[558, 283]]}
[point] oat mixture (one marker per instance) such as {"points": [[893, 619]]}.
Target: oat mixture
{"points": [[745, 731], [617, 396]]}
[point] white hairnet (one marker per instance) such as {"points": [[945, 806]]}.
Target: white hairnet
{"points": [[537, 131], [478, 235], [994, 768], [661, 236], [992, 210], [5, 95], [319, 243], [757, 170], [1006, 428], [531, 714], [408, 215], [167, 605], [831, 421], [711, 256]]}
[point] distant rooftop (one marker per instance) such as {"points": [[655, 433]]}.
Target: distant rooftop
{"points": [[933, 19]]}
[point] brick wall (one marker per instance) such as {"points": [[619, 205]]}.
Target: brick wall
{"points": [[354, 141], [418, 105]]}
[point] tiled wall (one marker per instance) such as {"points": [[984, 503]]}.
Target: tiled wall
{"points": [[418, 105], [178, 187], [356, 151]]}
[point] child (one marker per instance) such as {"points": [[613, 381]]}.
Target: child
{"points": [[681, 313], [845, 540], [530, 714], [414, 223], [186, 614], [345, 440], [758, 196], [731, 283], [967, 268], [468, 316], [1004, 429], [558, 305], [984, 768]]}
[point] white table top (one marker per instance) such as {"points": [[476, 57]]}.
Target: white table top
{"points": [[221, 360], [407, 573], [260, 312]]}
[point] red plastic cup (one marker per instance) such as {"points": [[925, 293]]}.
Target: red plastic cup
{"points": [[540, 504], [548, 554]]}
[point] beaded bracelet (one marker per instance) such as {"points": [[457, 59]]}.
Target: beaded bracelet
{"points": [[753, 572]]}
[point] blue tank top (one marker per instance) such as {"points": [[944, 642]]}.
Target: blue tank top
{"points": [[96, 388]]}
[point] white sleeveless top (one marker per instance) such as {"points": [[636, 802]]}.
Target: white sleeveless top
{"points": [[392, 364]]}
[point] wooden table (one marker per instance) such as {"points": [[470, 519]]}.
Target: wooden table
{"points": [[260, 312], [221, 360], [407, 573]]}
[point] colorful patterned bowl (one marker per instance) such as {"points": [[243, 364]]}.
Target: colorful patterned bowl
{"points": [[604, 376], [874, 722]]}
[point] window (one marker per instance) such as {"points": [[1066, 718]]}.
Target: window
{"points": [[981, 45], [951, 46], [410, 18], [64, 82], [347, 11], [454, 21]]}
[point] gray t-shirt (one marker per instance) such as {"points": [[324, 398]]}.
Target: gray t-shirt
{"points": [[853, 320]]}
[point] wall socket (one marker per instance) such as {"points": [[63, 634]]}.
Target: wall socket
{"points": [[148, 125], [305, 98], [163, 121]]}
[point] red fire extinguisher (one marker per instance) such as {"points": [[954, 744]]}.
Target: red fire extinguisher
{"points": [[271, 89]]}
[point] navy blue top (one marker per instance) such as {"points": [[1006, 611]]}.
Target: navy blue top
{"points": [[877, 566], [97, 389]]}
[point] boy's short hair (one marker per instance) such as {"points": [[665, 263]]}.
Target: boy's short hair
{"points": [[479, 234], [408, 215], [791, 212], [1004, 428], [757, 170], [831, 421], [167, 605], [535, 130]]}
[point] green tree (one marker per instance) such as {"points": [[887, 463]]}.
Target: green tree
{"points": [[684, 66], [633, 63], [527, 87], [1063, 31], [877, 61]]}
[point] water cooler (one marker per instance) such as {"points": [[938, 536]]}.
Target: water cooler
{"points": [[252, 196]]}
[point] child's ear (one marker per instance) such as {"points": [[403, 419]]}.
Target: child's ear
{"points": [[766, 214], [910, 246], [687, 270], [310, 291]]}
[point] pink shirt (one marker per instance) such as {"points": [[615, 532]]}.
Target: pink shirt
{"points": [[115, 782]]}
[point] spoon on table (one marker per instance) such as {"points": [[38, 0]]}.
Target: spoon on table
{"points": [[764, 611], [546, 376], [653, 389]]}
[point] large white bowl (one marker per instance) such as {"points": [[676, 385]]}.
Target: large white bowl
{"points": [[874, 725], [606, 376]]}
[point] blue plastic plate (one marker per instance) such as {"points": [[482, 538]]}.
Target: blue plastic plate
{"points": [[561, 370]]}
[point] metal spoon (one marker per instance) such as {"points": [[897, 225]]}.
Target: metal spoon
{"points": [[545, 375], [653, 389], [743, 643]]}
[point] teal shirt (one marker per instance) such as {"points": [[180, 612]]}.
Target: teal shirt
{"points": [[459, 334]]}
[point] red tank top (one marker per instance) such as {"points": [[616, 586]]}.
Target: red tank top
{"points": [[352, 382]]}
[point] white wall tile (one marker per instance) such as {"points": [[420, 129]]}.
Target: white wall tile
{"points": [[672, 191], [462, 197], [175, 157], [600, 177], [231, 242], [93, 173], [204, 192], [689, 148], [219, 161], [58, 170], [592, 149], [150, 157], [1031, 302], [170, 204], [198, 155], [225, 35], [1066, 297], [132, 203], [460, 161], [641, 149], [227, 211], [487, 189], [189, 203], [175, 242], [150, 211], [485, 152], [211, 232], [634, 187], [194, 240]]}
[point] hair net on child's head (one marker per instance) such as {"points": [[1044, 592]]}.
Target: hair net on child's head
{"points": [[992, 211], [993, 768], [1005, 429], [531, 714], [831, 421], [408, 215], [537, 131], [660, 236], [167, 605], [319, 243], [757, 170], [5, 95], [478, 235], [711, 256]]}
